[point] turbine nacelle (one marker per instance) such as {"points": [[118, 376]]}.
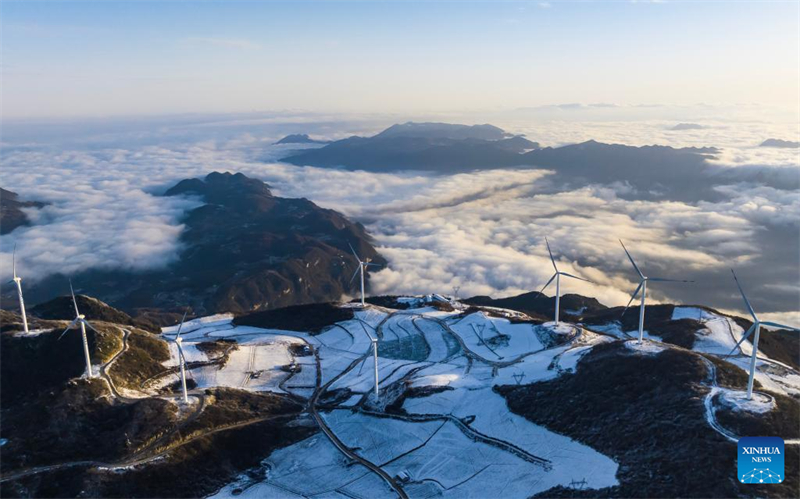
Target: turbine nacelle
{"points": [[181, 358], [757, 323], [81, 319], [643, 279], [361, 269], [643, 288], [18, 281], [557, 278]]}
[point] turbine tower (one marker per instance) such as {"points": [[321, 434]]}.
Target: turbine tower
{"points": [[643, 288], [375, 356], [81, 319], [18, 281], [362, 268], [757, 328], [181, 359], [557, 277]]}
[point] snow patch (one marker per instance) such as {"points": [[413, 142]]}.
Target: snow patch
{"points": [[32, 332], [434, 380], [645, 347], [694, 313], [738, 401]]}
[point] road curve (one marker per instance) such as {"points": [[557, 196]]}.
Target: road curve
{"points": [[312, 407]]}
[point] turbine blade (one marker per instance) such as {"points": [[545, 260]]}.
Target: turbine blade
{"points": [[746, 301], [780, 326], [545, 287], [374, 265], [553, 260], [661, 279], [178, 334], [746, 335], [71, 325], [575, 277], [633, 296], [90, 326], [74, 302], [180, 353], [355, 274], [631, 259], [354, 252]]}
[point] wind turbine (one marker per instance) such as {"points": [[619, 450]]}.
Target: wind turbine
{"points": [[81, 319], [362, 267], [757, 328], [18, 281], [375, 356], [643, 288], [181, 359], [557, 277]]}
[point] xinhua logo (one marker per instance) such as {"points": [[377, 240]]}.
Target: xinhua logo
{"points": [[761, 460]]}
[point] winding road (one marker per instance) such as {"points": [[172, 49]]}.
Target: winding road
{"points": [[312, 407], [160, 446], [139, 457]]}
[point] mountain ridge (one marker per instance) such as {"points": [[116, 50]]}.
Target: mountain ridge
{"points": [[11, 211], [243, 249]]}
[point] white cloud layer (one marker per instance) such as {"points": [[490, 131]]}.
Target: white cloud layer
{"points": [[482, 231]]}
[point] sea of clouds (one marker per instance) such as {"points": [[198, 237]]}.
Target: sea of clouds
{"points": [[482, 231]]}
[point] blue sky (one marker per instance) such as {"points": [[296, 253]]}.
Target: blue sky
{"points": [[117, 58]]}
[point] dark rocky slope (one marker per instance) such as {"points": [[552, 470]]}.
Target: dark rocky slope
{"points": [[647, 413], [53, 416], [244, 249], [573, 306], [62, 308], [11, 214]]}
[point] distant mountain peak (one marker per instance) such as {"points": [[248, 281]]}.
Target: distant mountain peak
{"points": [[687, 126], [780, 143], [300, 138], [227, 189], [434, 130]]}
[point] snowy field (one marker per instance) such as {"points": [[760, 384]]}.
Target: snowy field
{"points": [[719, 336], [454, 436], [461, 441]]}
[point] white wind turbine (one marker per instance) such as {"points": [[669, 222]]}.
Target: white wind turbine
{"points": [[362, 268], [81, 319], [18, 281], [375, 356], [181, 359], [643, 288], [757, 328], [557, 277]]}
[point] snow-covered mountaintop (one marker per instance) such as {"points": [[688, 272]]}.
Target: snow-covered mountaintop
{"points": [[437, 425]]}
